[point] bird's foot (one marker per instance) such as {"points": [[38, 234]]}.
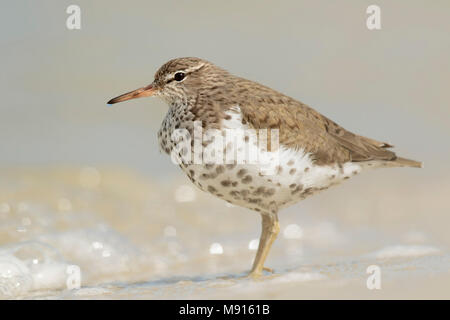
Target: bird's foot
{"points": [[268, 269], [253, 275], [257, 274]]}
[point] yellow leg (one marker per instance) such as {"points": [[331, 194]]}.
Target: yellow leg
{"points": [[270, 229]]}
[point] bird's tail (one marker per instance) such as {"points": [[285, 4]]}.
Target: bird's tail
{"points": [[403, 162]]}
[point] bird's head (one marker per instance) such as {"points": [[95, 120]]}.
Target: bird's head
{"points": [[177, 81]]}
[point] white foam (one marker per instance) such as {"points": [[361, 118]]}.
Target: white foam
{"points": [[99, 251], [95, 291], [298, 277], [30, 266], [15, 277], [404, 251], [51, 275], [43, 264]]}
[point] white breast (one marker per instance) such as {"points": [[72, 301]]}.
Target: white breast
{"points": [[276, 180]]}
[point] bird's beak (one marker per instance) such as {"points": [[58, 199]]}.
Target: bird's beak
{"points": [[147, 91]]}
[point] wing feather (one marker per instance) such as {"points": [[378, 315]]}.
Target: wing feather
{"points": [[300, 126]]}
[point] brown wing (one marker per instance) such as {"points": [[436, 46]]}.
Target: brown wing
{"points": [[302, 127]]}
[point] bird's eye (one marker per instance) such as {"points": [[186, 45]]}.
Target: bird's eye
{"points": [[179, 76]]}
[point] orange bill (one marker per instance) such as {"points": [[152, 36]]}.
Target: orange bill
{"points": [[138, 93]]}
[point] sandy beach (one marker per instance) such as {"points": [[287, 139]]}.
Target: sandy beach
{"points": [[134, 239]]}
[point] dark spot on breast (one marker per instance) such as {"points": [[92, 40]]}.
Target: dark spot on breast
{"points": [[254, 200], [298, 189], [230, 166], [309, 191], [292, 185], [212, 189], [244, 192], [306, 169], [292, 171], [259, 191], [212, 175], [220, 169], [204, 176], [209, 166], [247, 179], [235, 194], [241, 173], [290, 162], [225, 183]]}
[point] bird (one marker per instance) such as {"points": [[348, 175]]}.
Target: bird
{"points": [[303, 153]]}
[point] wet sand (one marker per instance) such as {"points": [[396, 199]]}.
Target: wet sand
{"points": [[134, 237]]}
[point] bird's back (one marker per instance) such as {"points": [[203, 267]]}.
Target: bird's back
{"points": [[302, 127]]}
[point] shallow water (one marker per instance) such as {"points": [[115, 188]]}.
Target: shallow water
{"points": [[132, 237], [140, 229]]}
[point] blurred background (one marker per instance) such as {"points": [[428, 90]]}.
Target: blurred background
{"points": [[84, 184]]}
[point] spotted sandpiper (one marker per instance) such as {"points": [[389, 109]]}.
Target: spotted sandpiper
{"points": [[314, 152]]}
